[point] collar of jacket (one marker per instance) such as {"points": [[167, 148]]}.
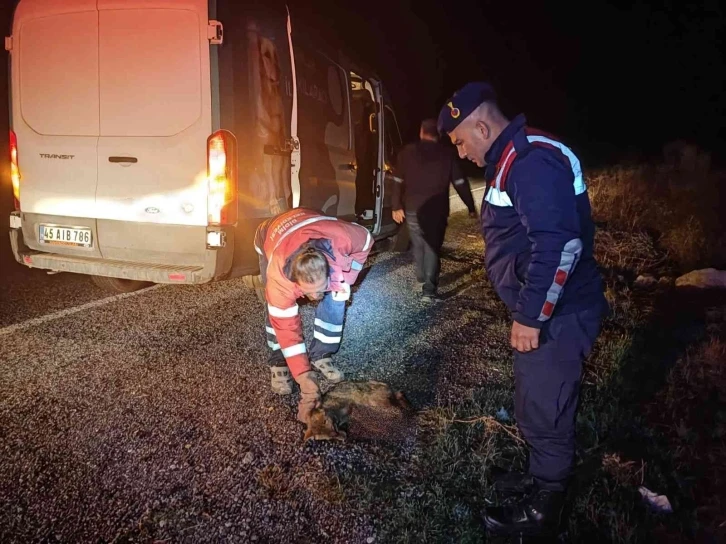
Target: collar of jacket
{"points": [[494, 155]]}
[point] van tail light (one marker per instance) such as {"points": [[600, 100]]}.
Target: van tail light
{"points": [[14, 169], [222, 178]]}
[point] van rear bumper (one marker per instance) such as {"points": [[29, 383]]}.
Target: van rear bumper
{"points": [[94, 266]]}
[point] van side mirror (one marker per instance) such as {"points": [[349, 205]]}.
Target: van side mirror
{"points": [[372, 122]]}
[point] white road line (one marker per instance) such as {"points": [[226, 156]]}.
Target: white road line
{"points": [[457, 205], [70, 311]]}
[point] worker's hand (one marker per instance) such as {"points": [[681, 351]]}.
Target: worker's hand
{"points": [[398, 216], [473, 215], [524, 338], [309, 394]]}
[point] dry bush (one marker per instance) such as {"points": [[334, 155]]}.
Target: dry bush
{"points": [[702, 369], [276, 481], [625, 473], [632, 251], [618, 195], [324, 486], [692, 410], [680, 210]]}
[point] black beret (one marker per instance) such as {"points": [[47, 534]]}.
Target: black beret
{"points": [[463, 103]]}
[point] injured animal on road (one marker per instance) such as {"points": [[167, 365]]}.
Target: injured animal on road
{"points": [[375, 409]]}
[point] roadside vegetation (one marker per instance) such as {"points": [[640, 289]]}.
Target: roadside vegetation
{"points": [[653, 409]]}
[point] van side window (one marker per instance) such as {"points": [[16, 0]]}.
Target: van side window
{"points": [[393, 136], [338, 135], [323, 109]]}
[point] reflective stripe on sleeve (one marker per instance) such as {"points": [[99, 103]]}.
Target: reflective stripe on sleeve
{"points": [[283, 312]]}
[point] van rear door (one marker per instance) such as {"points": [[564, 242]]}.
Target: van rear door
{"points": [[155, 118], [55, 107]]}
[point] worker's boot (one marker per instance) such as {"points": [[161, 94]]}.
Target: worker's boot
{"points": [[537, 514], [329, 371], [509, 483], [281, 380]]}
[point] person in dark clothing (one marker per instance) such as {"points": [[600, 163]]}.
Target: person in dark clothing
{"points": [[539, 234], [423, 173]]}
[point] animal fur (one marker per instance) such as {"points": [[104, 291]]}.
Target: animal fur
{"points": [[330, 421]]}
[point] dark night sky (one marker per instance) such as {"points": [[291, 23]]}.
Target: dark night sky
{"points": [[609, 78]]}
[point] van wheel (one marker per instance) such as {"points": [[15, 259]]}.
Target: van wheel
{"points": [[119, 285]]}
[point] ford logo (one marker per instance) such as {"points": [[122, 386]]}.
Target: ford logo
{"points": [[152, 209]]}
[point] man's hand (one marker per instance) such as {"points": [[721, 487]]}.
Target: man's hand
{"points": [[524, 338], [473, 215], [399, 216], [309, 394]]}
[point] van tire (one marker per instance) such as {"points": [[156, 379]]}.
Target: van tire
{"points": [[119, 285]]}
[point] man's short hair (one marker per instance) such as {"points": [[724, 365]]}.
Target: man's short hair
{"points": [[309, 266], [428, 127]]}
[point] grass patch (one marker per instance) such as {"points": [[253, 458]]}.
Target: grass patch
{"points": [[691, 412], [653, 401], [680, 210], [439, 495]]}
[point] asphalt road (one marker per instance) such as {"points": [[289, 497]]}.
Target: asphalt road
{"points": [[30, 293], [149, 416]]}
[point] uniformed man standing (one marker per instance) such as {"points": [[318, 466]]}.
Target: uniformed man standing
{"points": [[423, 173], [539, 235]]}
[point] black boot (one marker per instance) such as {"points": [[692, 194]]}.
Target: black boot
{"points": [[512, 482], [537, 514]]}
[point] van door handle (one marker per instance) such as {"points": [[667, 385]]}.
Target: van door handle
{"points": [[123, 159]]}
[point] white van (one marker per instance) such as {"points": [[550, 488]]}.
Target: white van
{"points": [[149, 138]]}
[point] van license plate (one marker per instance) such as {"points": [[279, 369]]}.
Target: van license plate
{"points": [[65, 236]]}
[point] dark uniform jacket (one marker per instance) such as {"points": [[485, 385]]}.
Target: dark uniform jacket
{"points": [[538, 228]]}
